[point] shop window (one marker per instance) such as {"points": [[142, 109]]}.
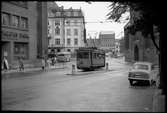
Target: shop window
{"points": [[5, 19], [21, 50]]}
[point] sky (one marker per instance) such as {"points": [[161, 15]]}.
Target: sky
{"points": [[95, 12]]}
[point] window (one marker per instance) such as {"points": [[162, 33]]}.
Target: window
{"points": [[5, 19], [57, 23], [68, 41], [58, 13], [57, 30], [76, 41], [57, 41], [76, 14], [75, 32], [21, 49], [15, 21], [68, 50], [68, 32], [141, 66], [68, 13], [68, 22], [75, 22], [24, 22]]}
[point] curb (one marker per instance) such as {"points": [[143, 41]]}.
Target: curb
{"points": [[158, 101], [27, 71]]}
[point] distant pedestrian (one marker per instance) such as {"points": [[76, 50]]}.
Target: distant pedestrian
{"points": [[5, 64], [52, 60], [55, 60], [21, 64], [43, 64]]}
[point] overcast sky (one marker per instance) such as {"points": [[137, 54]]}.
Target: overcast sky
{"points": [[95, 12]]}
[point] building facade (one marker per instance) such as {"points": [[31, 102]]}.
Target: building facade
{"points": [[66, 29], [93, 43], [24, 30], [107, 40], [139, 47]]}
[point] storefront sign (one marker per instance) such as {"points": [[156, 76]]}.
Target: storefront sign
{"points": [[23, 35], [9, 35], [13, 35]]}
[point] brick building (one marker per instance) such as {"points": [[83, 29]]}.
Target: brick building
{"points": [[139, 47], [107, 40]]}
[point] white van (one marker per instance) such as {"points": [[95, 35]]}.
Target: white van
{"points": [[63, 56]]}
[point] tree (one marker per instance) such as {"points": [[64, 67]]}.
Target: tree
{"points": [[150, 14], [145, 20]]}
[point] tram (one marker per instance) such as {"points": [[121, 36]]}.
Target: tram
{"points": [[89, 58]]}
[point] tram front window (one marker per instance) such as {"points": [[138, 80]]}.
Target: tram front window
{"points": [[82, 55]]}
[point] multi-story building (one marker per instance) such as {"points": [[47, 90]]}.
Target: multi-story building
{"points": [[107, 40], [117, 46], [93, 43], [24, 30], [66, 29]]}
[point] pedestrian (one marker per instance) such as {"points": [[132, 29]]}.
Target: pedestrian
{"points": [[52, 61], [55, 60], [5, 64], [21, 64], [43, 64]]}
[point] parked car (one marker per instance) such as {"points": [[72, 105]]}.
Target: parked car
{"points": [[143, 71], [63, 56]]}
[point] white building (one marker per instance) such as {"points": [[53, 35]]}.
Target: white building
{"points": [[66, 29]]}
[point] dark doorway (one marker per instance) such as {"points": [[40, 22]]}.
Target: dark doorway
{"points": [[136, 53]]}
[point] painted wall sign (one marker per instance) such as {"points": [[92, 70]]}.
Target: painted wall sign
{"points": [[13, 35]]}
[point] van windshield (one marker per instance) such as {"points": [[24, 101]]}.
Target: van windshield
{"points": [[141, 66]]}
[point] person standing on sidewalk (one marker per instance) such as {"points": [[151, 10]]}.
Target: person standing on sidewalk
{"points": [[55, 61], [43, 64], [21, 64], [5, 64]]}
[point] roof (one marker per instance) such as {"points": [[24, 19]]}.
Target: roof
{"points": [[141, 62]]}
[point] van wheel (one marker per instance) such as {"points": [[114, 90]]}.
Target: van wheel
{"points": [[131, 82]]}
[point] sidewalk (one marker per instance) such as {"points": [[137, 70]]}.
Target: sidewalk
{"points": [[26, 70], [158, 101]]}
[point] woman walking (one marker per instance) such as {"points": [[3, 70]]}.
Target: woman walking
{"points": [[5, 64]]}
